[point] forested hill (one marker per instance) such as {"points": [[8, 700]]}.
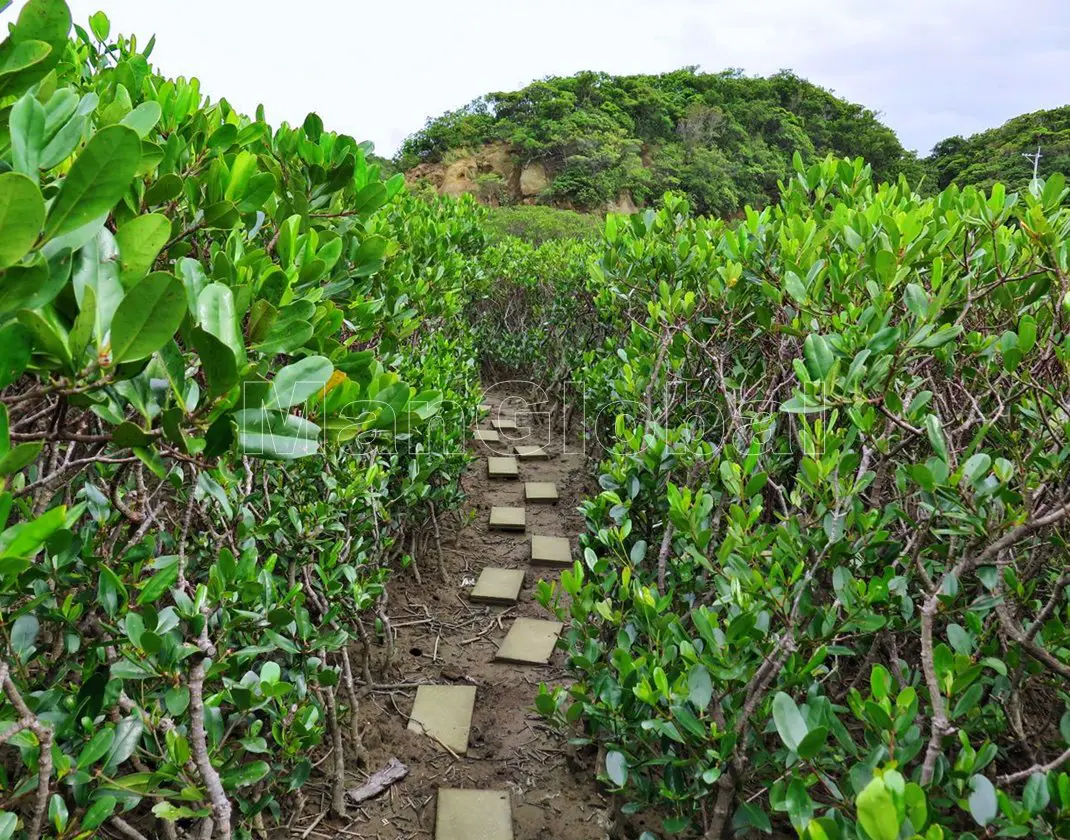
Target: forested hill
{"points": [[594, 140], [1000, 154]]}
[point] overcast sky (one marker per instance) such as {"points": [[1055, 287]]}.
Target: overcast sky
{"points": [[932, 68]]}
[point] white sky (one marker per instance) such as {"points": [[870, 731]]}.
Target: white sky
{"points": [[933, 68]]}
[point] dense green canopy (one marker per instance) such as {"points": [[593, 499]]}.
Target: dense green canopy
{"points": [[1005, 154], [723, 138]]}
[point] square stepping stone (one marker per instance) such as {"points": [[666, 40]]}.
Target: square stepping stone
{"points": [[473, 815], [508, 518], [530, 641], [531, 453], [550, 551], [503, 468], [486, 435], [504, 424], [540, 491], [485, 408], [444, 712], [497, 586]]}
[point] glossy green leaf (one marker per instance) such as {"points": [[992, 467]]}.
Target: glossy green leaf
{"points": [[147, 318], [140, 241], [27, 126], [789, 722], [22, 213], [272, 434], [617, 767], [100, 176], [296, 383], [877, 812]]}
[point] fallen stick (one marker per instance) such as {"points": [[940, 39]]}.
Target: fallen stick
{"points": [[379, 781]]}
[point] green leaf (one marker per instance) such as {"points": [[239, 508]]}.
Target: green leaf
{"points": [[23, 636], [27, 135], [297, 382], [917, 301], [143, 118], [271, 434], [245, 775], [159, 583], [100, 176], [21, 64], [819, 357], [26, 538], [16, 347], [617, 767], [48, 334], [19, 458], [128, 434], [22, 212], [31, 285], [795, 287], [46, 21], [96, 267], [813, 743], [876, 811], [982, 800], [217, 362], [177, 700], [789, 722], [127, 734], [99, 811], [100, 25], [243, 168], [97, 747], [1035, 795], [149, 315], [935, 430], [84, 324], [216, 315], [700, 687], [57, 812], [976, 467], [960, 639], [140, 241]]}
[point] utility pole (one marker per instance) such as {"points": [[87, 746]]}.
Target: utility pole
{"points": [[1036, 162]]}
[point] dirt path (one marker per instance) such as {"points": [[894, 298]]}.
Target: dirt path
{"points": [[442, 638]]}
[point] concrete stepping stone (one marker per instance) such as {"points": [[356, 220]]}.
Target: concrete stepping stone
{"points": [[497, 586], [531, 453], [530, 641], [504, 424], [508, 518], [486, 435], [540, 491], [485, 408], [503, 468], [445, 713], [550, 551], [473, 815]]}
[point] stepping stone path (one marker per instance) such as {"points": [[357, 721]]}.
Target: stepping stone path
{"points": [[444, 712], [503, 468], [508, 518], [473, 815], [498, 586], [530, 641], [550, 551], [540, 491]]}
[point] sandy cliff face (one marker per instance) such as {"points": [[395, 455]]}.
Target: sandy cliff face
{"points": [[520, 183]]}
